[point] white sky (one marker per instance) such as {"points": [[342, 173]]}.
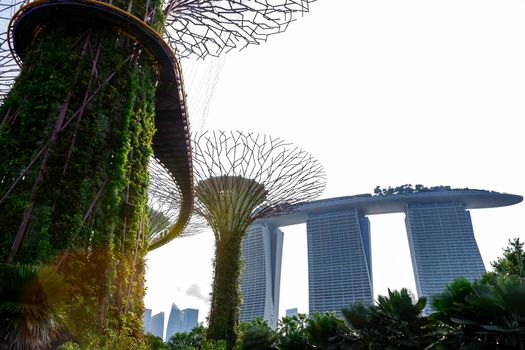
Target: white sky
{"points": [[382, 93]]}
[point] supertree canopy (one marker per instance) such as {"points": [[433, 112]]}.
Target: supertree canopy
{"points": [[90, 90], [192, 28], [203, 27], [164, 202], [241, 177]]}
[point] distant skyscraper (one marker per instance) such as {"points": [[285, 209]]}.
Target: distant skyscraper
{"points": [[291, 312], [442, 245], [174, 321], [156, 325], [147, 320], [262, 249], [190, 319], [339, 260]]}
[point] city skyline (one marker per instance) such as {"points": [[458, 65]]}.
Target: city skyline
{"points": [[439, 233], [175, 320], [393, 93], [156, 325], [178, 321]]}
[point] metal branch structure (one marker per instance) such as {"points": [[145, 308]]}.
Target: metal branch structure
{"points": [[193, 28], [210, 27], [164, 202], [241, 177], [164, 199], [265, 176]]}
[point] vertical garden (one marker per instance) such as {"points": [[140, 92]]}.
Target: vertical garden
{"points": [[75, 139]]}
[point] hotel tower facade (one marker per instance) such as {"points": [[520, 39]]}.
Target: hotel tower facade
{"points": [[439, 231]]}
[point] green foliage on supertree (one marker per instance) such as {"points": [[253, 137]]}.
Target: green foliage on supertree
{"points": [[80, 119], [226, 299]]}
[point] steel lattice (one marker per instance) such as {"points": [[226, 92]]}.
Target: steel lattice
{"points": [[194, 28], [235, 171]]}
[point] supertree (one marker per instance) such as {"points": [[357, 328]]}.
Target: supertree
{"points": [[97, 84], [241, 177]]}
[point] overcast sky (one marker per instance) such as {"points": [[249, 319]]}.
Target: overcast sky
{"points": [[382, 93]]}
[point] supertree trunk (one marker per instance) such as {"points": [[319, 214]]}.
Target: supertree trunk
{"points": [[226, 297], [75, 140]]}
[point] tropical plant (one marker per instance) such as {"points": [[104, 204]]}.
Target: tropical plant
{"points": [[396, 322], [31, 307], [292, 334], [212, 344], [109, 340], [327, 331], [402, 313], [69, 346], [155, 342], [482, 316], [257, 336], [359, 320], [194, 340], [257, 322], [180, 341], [511, 263]]}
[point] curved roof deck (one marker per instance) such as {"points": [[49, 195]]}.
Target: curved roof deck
{"points": [[396, 203]]}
